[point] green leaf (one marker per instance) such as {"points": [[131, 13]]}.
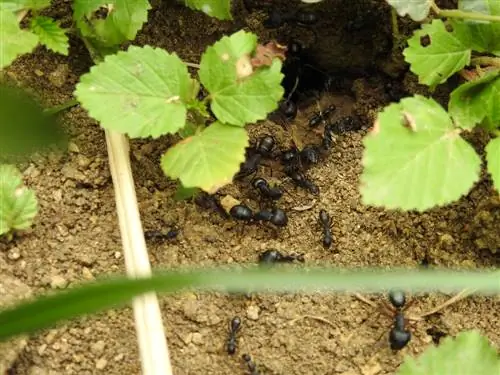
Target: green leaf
{"points": [[416, 9], [124, 18], [447, 53], [50, 34], [44, 311], [220, 9], [469, 353], [239, 94], [493, 160], [24, 127], [209, 159], [415, 158], [477, 101], [13, 40], [141, 92], [17, 5], [18, 205], [183, 193]]}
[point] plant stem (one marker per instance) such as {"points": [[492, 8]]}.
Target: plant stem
{"points": [[394, 22], [486, 60], [456, 13], [61, 107], [192, 65]]}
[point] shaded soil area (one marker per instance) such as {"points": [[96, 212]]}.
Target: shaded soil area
{"points": [[76, 235]]}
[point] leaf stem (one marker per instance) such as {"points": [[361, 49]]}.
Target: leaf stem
{"points": [[61, 107], [486, 60], [394, 22], [456, 13]]}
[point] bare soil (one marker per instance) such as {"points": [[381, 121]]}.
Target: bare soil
{"points": [[76, 235]]}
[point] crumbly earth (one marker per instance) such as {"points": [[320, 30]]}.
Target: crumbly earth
{"points": [[76, 237]]}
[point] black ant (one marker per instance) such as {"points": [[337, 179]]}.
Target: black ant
{"points": [[254, 155], [267, 191], [241, 212], [321, 116], [234, 327], [343, 125], [288, 108], [156, 235], [302, 181], [276, 216], [274, 256], [251, 366], [399, 336], [310, 154], [300, 18], [210, 202], [326, 222]]}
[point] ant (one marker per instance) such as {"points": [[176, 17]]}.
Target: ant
{"points": [[343, 125], [252, 367], [321, 116], [302, 181], [156, 235], [326, 222], [254, 155], [241, 212], [300, 18], [276, 216], [399, 336], [210, 202], [234, 327], [288, 108], [263, 187], [274, 256], [310, 154]]}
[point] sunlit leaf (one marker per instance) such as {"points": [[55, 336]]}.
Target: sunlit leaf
{"points": [[415, 159], [447, 51], [141, 92], [468, 353], [240, 94], [17, 5], [220, 9], [493, 160], [416, 9], [50, 34], [18, 204], [209, 159]]}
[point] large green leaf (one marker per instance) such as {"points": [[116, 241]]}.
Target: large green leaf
{"points": [[123, 20], [477, 101], [18, 205], [447, 53], [493, 160], [13, 40], [17, 5], [416, 9], [467, 354], [209, 159], [240, 93], [142, 92], [220, 9], [46, 311], [415, 159], [50, 34], [485, 36]]}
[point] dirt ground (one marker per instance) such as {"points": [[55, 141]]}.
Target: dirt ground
{"points": [[76, 235]]}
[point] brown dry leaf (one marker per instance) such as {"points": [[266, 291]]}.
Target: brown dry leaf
{"points": [[265, 54]]}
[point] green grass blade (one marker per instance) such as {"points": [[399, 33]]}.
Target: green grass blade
{"points": [[31, 316]]}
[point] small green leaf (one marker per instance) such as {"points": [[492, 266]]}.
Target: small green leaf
{"points": [[415, 159], [141, 92], [18, 205], [477, 101], [239, 96], [17, 5], [209, 159], [416, 9], [469, 353], [50, 34], [493, 160], [447, 53], [220, 9], [124, 18], [13, 40]]}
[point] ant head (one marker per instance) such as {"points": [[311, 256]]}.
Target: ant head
{"points": [[397, 298]]}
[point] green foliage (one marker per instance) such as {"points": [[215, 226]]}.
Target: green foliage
{"points": [[45, 311], [148, 92], [121, 22], [239, 94], [447, 53], [19, 5], [468, 353], [415, 158], [220, 9], [18, 205], [416, 9], [50, 34]]}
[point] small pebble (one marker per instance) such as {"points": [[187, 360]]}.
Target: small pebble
{"points": [[98, 347], [14, 254], [253, 312], [58, 282], [197, 338], [101, 364]]}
